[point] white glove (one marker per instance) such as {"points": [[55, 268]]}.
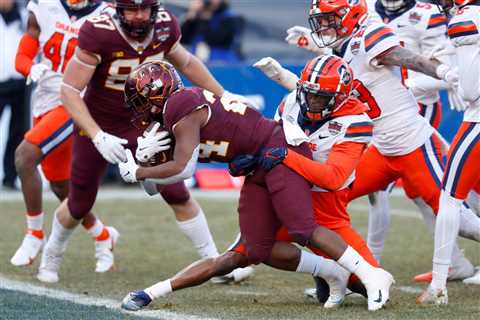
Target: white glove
{"points": [[450, 75], [152, 143], [36, 72], [110, 147], [128, 169], [274, 70], [229, 96], [304, 38], [441, 50], [455, 100]]}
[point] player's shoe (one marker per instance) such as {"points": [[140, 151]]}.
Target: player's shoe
{"points": [[475, 279], [462, 269], [433, 296], [338, 289], [236, 276], [28, 250], [104, 251], [52, 257], [136, 300], [378, 288]]}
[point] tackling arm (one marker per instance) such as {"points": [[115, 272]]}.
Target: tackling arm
{"points": [[187, 137], [194, 69], [77, 75], [332, 174]]}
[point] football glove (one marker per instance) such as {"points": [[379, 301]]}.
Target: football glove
{"points": [[455, 100], [110, 147], [242, 165], [151, 143], [274, 70], [271, 157], [304, 38], [229, 96], [36, 72], [450, 75], [128, 169]]}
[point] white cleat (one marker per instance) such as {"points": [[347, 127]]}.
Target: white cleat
{"points": [[104, 251], [433, 296], [28, 250], [378, 289], [338, 289], [52, 257], [475, 279], [236, 276]]}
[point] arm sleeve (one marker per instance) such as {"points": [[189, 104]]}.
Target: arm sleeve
{"points": [[469, 70], [26, 52], [332, 174], [89, 39], [186, 173]]}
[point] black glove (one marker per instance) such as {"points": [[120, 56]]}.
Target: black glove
{"points": [[271, 157], [242, 165]]}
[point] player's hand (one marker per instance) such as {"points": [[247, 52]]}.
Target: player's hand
{"points": [[271, 157], [455, 100], [232, 97], [270, 67], [128, 169], [441, 50], [304, 38], [242, 165], [450, 75], [36, 72], [110, 147], [151, 143]]}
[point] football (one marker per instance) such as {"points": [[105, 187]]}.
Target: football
{"points": [[162, 156]]}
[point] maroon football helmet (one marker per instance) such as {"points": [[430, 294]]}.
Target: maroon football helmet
{"points": [[137, 30], [148, 86]]}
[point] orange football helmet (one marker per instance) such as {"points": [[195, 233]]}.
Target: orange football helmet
{"points": [[325, 84], [334, 20]]}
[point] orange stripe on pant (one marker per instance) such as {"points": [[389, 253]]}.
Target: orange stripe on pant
{"points": [[57, 160], [420, 171]]}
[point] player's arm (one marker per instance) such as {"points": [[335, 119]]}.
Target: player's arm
{"points": [[332, 174], [78, 74], [194, 69], [28, 46], [187, 140]]}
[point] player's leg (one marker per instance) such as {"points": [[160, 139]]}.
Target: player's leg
{"points": [[378, 220], [49, 133], [460, 177]]}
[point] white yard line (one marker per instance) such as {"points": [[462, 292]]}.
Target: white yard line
{"points": [[32, 289]]}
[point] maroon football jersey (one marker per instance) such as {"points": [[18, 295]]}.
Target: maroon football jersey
{"points": [[232, 128], [119, 55]]}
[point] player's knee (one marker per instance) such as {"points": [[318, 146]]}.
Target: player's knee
{"points": [[302, 237], [79, 206], [26, 157], [175, 195], [259, 254], [60, 189]]}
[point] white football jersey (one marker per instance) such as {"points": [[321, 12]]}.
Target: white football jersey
{"points": [[398, 127], [464, 32], [323, 138], [58, 39], [419, 29]]}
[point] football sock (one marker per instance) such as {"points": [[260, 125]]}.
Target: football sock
{"points": [[159, 289], [446, 231], [378, 222], [317, 266], [35, 224], [59, 235], [98, 231], [355, 263], [196, 229]]}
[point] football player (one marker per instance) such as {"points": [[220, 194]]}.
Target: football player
{"points": [[403, 145], [110, 45], [52, 31], [210, 128], [461, 173]]}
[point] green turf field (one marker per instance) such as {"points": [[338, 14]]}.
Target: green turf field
{"points": [[152, 249]]}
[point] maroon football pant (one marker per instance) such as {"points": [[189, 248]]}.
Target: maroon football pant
{"points": [[272, 199], [88, 168]]}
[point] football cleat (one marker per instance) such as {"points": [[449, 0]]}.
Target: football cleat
{"points": [[236, 276], [460, 270], [378, 289], [433, 296], [136, 300], [28, 250], [338, 288], [104, 251], [475, 279], [52, 257]]}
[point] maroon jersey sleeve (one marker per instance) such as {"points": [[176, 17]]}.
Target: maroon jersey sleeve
{"points": [[88, 37], [167, 29], [182, 104]]}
